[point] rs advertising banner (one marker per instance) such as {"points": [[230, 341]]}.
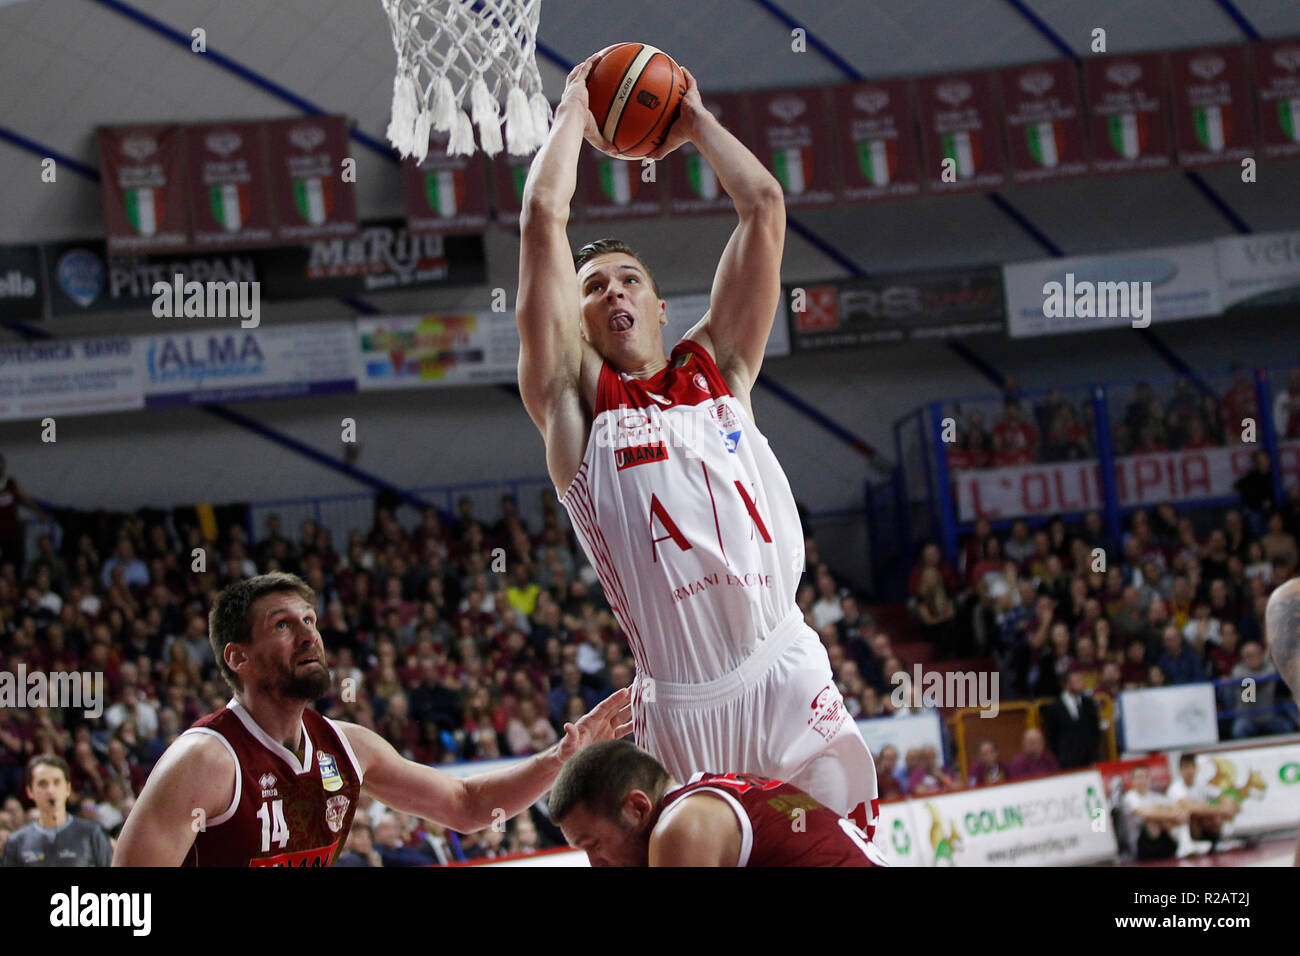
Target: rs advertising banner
{"points": [[945, 303]]}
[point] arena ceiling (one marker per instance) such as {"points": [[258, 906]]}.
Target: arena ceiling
{"points": [[67, 66]]}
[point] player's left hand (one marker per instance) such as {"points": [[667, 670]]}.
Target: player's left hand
{"points": [[683, 128], [608, 720]]}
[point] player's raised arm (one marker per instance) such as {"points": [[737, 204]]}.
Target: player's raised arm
{"points": [[192, 784], [747, 284], [550, 351], [472, 803]]}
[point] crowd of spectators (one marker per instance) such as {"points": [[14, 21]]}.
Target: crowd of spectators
{"points": [[1181, 418]]}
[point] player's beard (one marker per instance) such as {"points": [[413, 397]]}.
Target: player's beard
{"points": [[288, 684]]}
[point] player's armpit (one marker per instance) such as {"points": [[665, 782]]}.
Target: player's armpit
{"points": [[193, 782], [701, 831]]}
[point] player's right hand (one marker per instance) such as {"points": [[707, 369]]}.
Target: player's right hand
{"points": [[575, 90]]}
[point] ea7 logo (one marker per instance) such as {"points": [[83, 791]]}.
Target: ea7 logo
{"points": [[954, 93], [871, 101], [1207, 67], [306, 138], [1037, 82], [1124, 74], [224, 143], [787, 108], [139, 148]]}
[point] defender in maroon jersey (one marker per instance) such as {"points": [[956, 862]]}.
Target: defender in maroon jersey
{"points": [[622, 807], [267, 781]]}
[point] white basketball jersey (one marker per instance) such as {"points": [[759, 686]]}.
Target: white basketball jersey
{"points": [[687, 517]]}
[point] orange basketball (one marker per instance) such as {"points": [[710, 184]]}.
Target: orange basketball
{"points": [[635, 93]]}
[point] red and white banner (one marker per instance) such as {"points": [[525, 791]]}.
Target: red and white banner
{"points": [[446, 194], [693, 185], [1213, 116], [1128, 106], [961, 132], [142, 187], [1072, 486], [879, 155], [314, 199], [1277, 88], [229, 182], [1046, 133], [793, 136]]}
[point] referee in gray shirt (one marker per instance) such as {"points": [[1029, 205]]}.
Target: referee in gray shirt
{"points": [[55, 839]]}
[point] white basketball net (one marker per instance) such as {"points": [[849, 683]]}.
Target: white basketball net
{"points": [[448, 50]]}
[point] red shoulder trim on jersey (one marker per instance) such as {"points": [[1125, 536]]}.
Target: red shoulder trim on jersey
{"points": [[706, 365], [609, 393]]}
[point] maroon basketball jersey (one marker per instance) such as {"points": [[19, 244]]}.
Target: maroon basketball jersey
{"points": [[780, 825], [285, 812]]}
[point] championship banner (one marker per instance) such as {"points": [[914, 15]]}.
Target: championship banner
{"points": [[611, 188], [312, 198], [1264, 781], [1277, 87], [509, 176], [1073, 486], [961, 132], [229, 185], [1162, 718], [938, 304], [1128, 99], [446, 194], [693, 186], [383, 255], [142, 188], [792, 134], [417, 351], [875, 134], [235, 364], [82, 377], [1053, 821], [1259, 270], [1099, 292], [81, 278], [22, 285], [1213, 109], [1047, 138]]}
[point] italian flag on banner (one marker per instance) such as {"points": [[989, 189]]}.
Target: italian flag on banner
{"points": [[700, 175], [963, 149], [878, 161], [444, 190], [519, 176], [230, 205], [1046, 143], [144, 207], [1288, 117], [1128, 134], [793, 167], [314, 199], [616, 180], [1213, 127]]}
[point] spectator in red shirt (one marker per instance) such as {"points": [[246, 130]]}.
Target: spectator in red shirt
{"points": [[1033, 759], [1017, 436], [1226, 654], [988, 768]]}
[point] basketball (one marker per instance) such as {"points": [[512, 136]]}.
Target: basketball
{"points": [[635, 93]]}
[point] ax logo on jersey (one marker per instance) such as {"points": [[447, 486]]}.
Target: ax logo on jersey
{"points": [[329, 772], [728, 425], [828, 712]]}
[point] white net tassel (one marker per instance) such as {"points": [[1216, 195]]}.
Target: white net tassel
{"points": [[406, 104], [486, 117], [421, 134], [444, 105], [521, 138], [462, 136], [541, 111]]}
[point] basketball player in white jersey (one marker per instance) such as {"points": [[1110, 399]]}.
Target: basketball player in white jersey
{"points": [[679, 502], [1282, 630]]}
